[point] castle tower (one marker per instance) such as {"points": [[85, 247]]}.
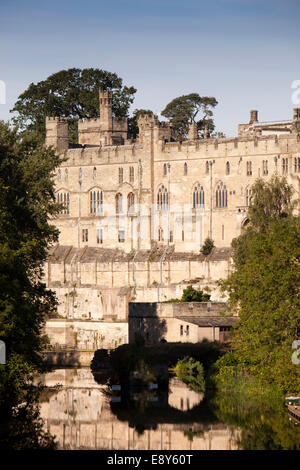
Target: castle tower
{"points": [[253, 116], [193, 131], [105, 102], [57, 134], [296, 120]]}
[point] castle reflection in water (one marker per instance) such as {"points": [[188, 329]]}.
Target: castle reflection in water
{"points": [[82, 415]]}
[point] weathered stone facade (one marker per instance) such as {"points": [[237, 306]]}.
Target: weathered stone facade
{"points": [[136, 214], [185, 322]]}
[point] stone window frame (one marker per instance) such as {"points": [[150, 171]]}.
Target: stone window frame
{"points": [[121, 175], [121, 236], [297, 164], [99, 236], [285, 165], [198, 196], [265, 167], [131, 203], [96, 199], [162, 198], [131, 174], [85, 235], [221, 192], [119, 203], [63, 197]]}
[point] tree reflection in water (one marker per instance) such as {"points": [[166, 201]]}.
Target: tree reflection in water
{"points": [[261, 416]]}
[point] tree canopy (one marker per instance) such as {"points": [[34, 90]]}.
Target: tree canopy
{"points": [[26, 201], [72, 93], [185, 109], [265, 289]]}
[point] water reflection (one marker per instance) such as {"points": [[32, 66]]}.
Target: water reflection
{"points": [[84, 414]]}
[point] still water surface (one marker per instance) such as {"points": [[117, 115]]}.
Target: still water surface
{"points": [[84, 414]]}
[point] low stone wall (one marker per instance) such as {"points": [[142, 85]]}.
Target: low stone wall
{"points": [[86, 335], [69, 358]]}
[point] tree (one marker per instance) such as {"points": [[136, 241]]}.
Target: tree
{"points": [[193, 295], [264, 289], [133, 128], [271, 200], [207, 246], [72, 93], [191, 372], [183, 111], [26, 201]]}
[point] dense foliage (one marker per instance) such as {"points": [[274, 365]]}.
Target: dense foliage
{"points": [[72, 93], [191, 372], [183, 111], [265, 289], [207, 246], [26, 201], [190, 294]]}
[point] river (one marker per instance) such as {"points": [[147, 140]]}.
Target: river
{"points": [[85, 414]]}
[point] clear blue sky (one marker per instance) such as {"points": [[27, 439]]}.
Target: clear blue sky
{"points": [[243, 52]]}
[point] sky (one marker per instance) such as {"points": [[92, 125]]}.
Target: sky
{"points": [[245, 53]]}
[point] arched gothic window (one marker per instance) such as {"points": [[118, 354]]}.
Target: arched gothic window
{"points": [[95, 173], [162, 198], [165, 169], [64, 199], [185, 169], [119, 203], [198, 196], [160, 235], [221, 196], [131, 203], [66, 174], [96, 201], [207, 168], [227, 168]]}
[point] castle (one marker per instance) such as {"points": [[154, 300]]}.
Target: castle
{"points": [[136, 213]]}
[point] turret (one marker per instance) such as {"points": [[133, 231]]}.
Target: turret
{"points": [[57, 134], [193, 131], [105, 102], [253, 116]]}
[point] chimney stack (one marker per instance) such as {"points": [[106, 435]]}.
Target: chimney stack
{"points": [[253, 116]]}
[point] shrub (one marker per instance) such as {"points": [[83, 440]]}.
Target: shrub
{"points": [[207, 246], [191, 372]]}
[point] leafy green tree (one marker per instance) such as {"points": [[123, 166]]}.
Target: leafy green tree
{"points": [[264, 289], [193, 295], [133, 128], [184, 110], [191, 372], [72, 93], [207, 246], [26, 202]]}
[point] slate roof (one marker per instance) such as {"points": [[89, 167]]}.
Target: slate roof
{"points": [[209, 321]]}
